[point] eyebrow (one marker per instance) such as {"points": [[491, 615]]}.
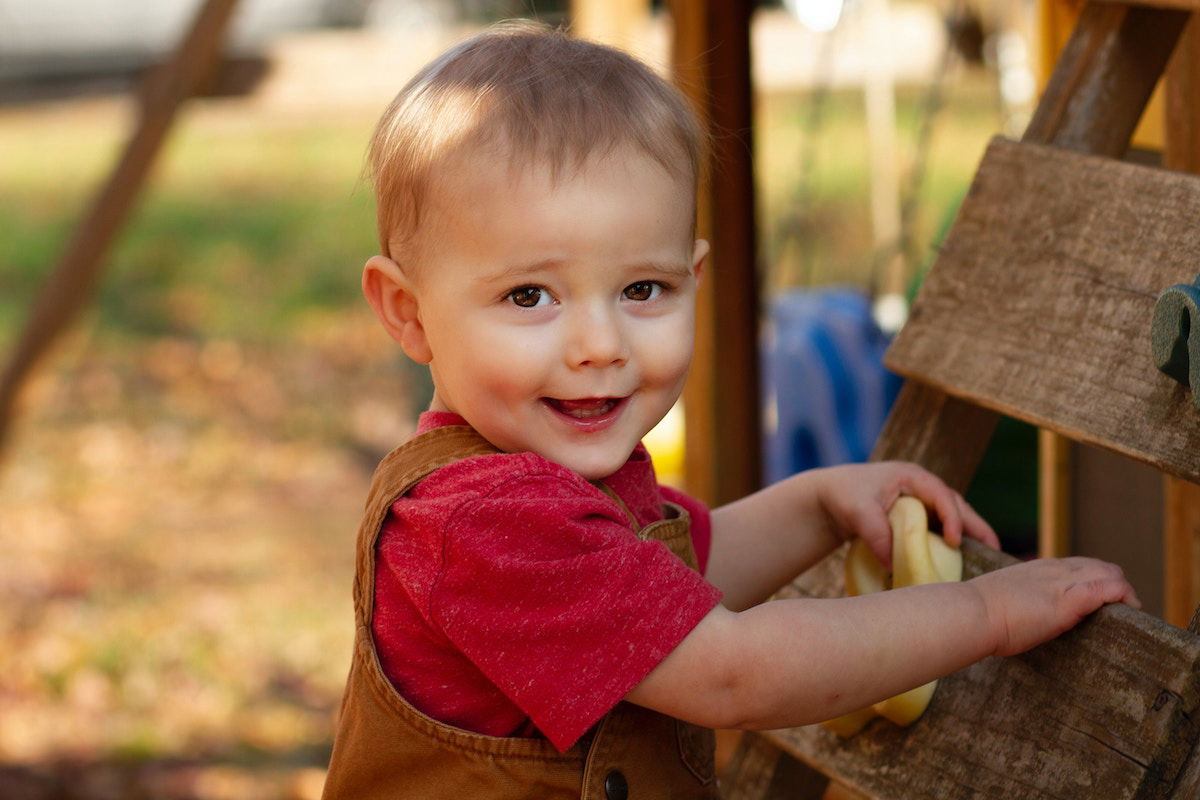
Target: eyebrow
{"points": [[516, 272]]}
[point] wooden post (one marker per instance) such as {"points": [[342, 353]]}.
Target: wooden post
{"points": [[1181, 520], [1054, 502], [711, 63], [73, 281]]}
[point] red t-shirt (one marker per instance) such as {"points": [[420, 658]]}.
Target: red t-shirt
{"points": [[512, 596]]}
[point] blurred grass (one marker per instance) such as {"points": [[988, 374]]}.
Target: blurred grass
{"points": [[178, 512], [242, 231]]}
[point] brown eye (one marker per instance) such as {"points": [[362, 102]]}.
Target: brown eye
{"points": [[642, 290], [526, 296]]}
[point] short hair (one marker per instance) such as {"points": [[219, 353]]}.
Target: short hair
{"points": [[545, 97]]}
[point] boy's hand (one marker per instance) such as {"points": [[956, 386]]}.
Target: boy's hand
{"points": [[856, 499], [1034, 601]]}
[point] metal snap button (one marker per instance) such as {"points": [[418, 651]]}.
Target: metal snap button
{"points": [[615, 786]]}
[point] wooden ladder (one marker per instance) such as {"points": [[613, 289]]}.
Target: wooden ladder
{"points": [[1039, 307]]}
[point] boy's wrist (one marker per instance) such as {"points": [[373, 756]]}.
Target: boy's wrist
{"points": [[996, 635], [825, 501]]}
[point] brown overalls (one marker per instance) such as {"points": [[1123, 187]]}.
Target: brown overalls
{"points": [[385, 748]]}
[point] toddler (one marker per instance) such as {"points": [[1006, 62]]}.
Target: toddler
{"points": [[536, 615]]}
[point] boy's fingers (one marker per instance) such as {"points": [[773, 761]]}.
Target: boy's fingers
{"points": [[1122, 592], [1109, 587], [944, 501], [959, 520], [877, 533]]}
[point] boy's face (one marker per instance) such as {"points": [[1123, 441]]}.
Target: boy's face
{"points": [[557, 316]]}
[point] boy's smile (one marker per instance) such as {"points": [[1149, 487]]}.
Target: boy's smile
{"points": [[592, 410], [556, 313]]}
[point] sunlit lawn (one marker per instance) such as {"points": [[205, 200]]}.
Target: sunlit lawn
{"points": [[180, 494]]}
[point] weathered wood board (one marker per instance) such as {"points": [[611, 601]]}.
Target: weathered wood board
{"points": [[1106, 711], [1040, 301]]}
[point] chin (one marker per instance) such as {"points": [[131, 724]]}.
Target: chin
{"points": [[597, 470]]}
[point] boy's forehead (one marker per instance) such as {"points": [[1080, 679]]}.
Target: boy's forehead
{"points": [[504, 163], [485, 191]]}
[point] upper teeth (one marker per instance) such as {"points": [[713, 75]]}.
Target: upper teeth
{"points": [[598, 409]]}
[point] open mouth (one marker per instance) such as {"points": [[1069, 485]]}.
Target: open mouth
{"points": [[589, 408]]}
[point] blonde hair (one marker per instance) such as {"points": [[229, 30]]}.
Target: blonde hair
{"points": [[542, 97]]}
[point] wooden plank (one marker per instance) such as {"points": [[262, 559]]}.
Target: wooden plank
{"points": [[1107, 710], [711, 62], [1039, 304], [1187, 787], [73, 280], [1104, 76]]}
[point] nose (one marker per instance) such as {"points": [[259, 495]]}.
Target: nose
{"points": [[596, 339]]}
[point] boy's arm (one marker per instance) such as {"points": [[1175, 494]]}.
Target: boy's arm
{"points": [[761, 542], [795, 662]]}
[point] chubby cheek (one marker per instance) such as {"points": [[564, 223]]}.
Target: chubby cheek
{"points": [[507, 367], [666, 356]]}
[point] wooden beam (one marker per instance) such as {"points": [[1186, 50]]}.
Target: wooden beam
{"points": [[944, 434], [711, 62], [1106, 710], [1104, 77], [73, 280]]}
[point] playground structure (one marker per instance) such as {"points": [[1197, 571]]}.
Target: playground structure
{"points": [[1040, 306]]}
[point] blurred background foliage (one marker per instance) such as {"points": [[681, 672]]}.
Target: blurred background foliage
{"points": [[180, 493]]}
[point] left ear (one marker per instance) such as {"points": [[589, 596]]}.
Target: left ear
{"points": [[699, 256]]}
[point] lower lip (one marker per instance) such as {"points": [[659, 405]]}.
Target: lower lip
{"points": [[589, 424]]}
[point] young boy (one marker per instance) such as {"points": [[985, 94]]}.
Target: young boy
{"points": [[537, 617]]}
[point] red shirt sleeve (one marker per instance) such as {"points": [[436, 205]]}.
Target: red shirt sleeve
{"points": [[547, 590]]}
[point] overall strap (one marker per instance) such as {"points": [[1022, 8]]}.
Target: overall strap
{"points": [[398, 472]]}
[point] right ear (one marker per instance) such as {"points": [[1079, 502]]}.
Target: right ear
{"points": [[391, 295]]}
